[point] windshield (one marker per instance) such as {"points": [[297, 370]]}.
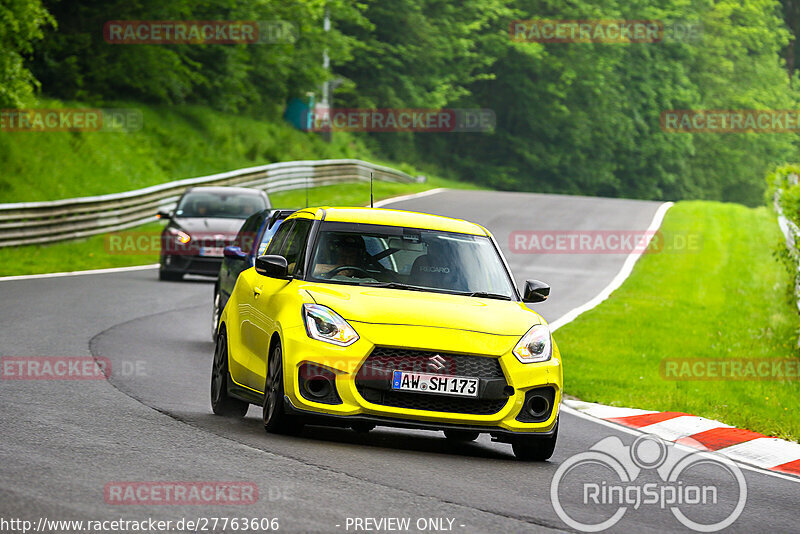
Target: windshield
{"points": [[409, 258], [215, 205]]}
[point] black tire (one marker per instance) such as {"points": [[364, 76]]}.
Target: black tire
{"points": [[221, 402], [461, 435], [215, 311], [363, 428], [170, 276], [535, 449], [276, 420]]}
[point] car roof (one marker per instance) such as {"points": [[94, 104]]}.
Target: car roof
{"points": [[225, 190], [388, 217]]}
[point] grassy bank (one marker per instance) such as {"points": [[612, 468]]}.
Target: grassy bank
{"points": [[93, 252], [727, 299], [174, 142]]}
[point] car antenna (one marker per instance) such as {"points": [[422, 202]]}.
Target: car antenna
{"points": [[370, 190], [306, 190]]}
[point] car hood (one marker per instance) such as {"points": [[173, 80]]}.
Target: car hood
{"points": [[208, 225], [416, 308]]}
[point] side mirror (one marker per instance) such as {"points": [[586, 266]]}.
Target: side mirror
{"points": [[535, 291], [164, 215], [234, 252], [272, 265]]}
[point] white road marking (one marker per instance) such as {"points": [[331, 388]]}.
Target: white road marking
{"points": [[623, 273], [381, 203], [79, 273]]}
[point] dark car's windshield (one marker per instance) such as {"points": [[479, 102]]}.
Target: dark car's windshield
{"points": [[219, 205], [409, 258]]}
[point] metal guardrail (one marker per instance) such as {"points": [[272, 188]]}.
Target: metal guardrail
{"points": [[29, 223], [792, 235]]}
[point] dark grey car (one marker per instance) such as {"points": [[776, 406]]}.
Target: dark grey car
{"points": [[205, 221]]}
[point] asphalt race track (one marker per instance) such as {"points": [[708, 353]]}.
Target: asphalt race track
{"points": [[63, 441]]}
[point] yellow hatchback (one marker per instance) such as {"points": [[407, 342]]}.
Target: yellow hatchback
{"points": [[361, 317]]}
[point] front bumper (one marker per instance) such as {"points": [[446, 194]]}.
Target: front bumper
{"points": [[190, 264], [346, 362], [499, 434]]}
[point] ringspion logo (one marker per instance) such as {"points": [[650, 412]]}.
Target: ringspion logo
{"points": [[593, 490]]}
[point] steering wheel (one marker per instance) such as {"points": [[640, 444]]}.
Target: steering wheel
{"points": [[337, 270]]}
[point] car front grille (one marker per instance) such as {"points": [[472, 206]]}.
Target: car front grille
{"points": [[419, 361], [386, 359]]}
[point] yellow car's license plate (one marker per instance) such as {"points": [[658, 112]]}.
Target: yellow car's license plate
{"points": [[439, 384]]}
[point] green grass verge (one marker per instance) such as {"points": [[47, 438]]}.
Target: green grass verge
{"points": [[726, 300], [175, 142], [93, 252]]}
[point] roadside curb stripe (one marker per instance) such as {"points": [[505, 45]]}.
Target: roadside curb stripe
{"points": [[792, 468], [738, 444], [638, 421], [719, 438]]}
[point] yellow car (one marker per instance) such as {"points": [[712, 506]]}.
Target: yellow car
{"points": [[361, 317]]}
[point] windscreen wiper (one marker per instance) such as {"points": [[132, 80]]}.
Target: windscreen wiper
{"points": [[487, 295], [394, 285]]}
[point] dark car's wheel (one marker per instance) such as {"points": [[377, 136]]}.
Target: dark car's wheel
{"points": [[276, 420], [538, 449], [461, 435], [170, 276], [221, 403], [215, 316]]}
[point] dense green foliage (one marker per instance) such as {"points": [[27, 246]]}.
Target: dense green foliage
{"points": [[571, 117], [21, 23]]}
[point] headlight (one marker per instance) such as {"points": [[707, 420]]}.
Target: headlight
{"points": [[324, 324], [535, 346], [180, 237]]}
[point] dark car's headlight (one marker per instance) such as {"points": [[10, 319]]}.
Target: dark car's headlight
{"points": [[324, 324], [535, 346], [181, 237]]}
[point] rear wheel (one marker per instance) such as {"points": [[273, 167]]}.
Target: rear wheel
{"points": [[276, 420], [170, 276], [215, 316], [461, 435], [534, 448], [221, 402]]}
